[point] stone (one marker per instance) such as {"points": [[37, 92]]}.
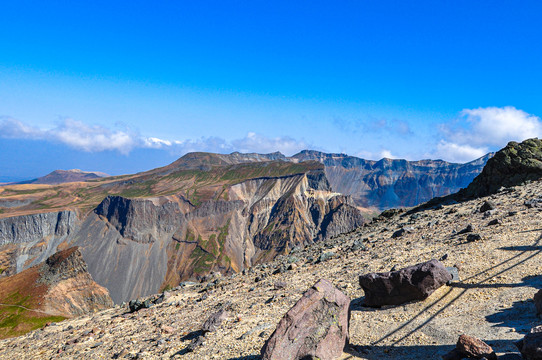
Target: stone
{"points": [[325, 256], [402, 231], [214, 321], [533, 203], [454, 272], [474, 348], [163, 297], [494, 222], [412, 283], [530, 346], [538, 302], [487, 205], [315, 327], [474, 237], [136, 305], [358, 245], [466, 230]]}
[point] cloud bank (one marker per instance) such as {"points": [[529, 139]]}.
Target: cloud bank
{"points": [[479, 131], [81, 136]]}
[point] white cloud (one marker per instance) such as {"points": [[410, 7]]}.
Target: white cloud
{"points": [[92, 138], [88, 138], [369, 155], [497, 126], [156, 143], [459, 153], [72, 133], [479, 131], [15, 129]]}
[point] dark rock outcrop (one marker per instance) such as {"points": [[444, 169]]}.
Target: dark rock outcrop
{"points": [[513, 165], [315, 327], [415, 282]]}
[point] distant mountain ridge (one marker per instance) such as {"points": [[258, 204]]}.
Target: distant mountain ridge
{"points": [[376, 185], [64, 176], [391, 183]]}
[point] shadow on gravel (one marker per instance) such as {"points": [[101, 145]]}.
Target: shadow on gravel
{"points": [[521, 248], [447, 299], [250, 357], [192, 335], [424, 351], [521, 317]]}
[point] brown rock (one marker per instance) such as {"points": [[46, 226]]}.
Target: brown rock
{"points": [[531, 345], [316, 326], [415, 282], [475, 348]]}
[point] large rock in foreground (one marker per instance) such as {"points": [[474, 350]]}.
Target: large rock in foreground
{"points": [[315, 327], [415, 282], [531, 345]]}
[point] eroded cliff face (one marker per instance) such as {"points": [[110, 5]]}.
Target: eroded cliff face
{"points": [[71, 290], [160, 241], [390, 183], [218, 213], [30, 239], [58, 288]]}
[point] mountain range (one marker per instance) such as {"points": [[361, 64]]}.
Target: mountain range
{"points": [[203, 213], [488, 244]]}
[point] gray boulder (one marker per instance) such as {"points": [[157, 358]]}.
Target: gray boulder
{"points": [[214, 321], [315, 327], [412, 283]]}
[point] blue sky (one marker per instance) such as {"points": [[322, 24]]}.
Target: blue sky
{"points": [[127, 86]]}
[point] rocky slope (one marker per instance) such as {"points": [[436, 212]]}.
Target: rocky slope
{"points": [[58, 288], [499, 274], [515, 164], [390, 183], [219, 213]]}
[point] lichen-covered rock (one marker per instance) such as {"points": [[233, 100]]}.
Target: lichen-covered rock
{"points": [[512, 165], [315, 327], [415, 282]]}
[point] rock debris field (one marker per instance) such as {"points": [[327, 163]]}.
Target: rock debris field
{"points": [[498, 254]]}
